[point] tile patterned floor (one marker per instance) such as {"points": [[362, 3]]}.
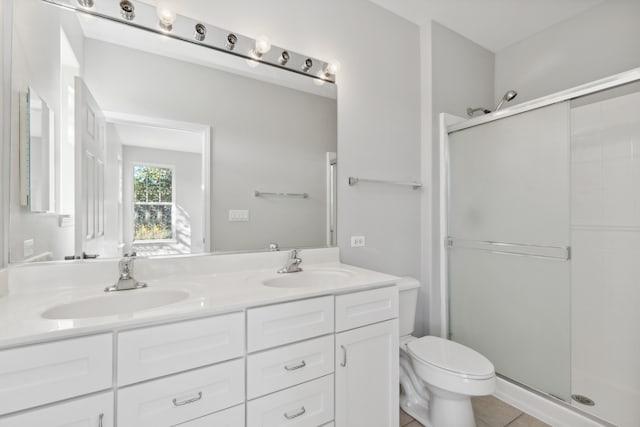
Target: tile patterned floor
{"points": [[489, 412]]}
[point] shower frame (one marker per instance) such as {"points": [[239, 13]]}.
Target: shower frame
{"points": [[449, 124]]}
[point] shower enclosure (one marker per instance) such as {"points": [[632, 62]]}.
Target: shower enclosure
{"points": [[543, 247]]}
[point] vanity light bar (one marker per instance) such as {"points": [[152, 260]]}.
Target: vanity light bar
{"points": [[146, 17]]}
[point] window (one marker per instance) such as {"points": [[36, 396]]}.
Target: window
{"points": [[153, 196]]}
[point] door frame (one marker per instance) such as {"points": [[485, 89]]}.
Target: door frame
{"points": [[206, 132]]}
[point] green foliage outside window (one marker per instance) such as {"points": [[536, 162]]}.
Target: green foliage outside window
{"points": [[153, 196]]}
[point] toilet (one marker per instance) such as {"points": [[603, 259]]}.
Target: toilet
{"points": [[438, 376]]}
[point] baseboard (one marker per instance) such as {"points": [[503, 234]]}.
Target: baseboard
{"points": [[545, 409]]}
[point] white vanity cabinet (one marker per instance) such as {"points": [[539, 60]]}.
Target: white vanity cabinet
{"points": [[167, 349], [299, 371], [329, 361], [176, 373], [367, 356], [40, 374], [356, 385], [94, 411], [180, 398]]}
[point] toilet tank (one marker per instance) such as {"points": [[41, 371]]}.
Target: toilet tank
{"points": [[408, 289]]}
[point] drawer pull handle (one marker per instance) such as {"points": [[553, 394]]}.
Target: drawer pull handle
{"points": [[186, 402], [295, 368], [344, 356], [302, 411], [100, 419]]}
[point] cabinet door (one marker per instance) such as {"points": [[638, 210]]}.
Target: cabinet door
{"points": [[94, 411], [367, 376]]}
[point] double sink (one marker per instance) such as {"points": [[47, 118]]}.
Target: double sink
{"points": [[117, 303]]}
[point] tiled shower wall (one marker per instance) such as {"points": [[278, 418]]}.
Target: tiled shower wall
{"points": [[605, 290]]}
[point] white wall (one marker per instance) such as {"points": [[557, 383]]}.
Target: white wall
{"points": [[461, 76], [600, 42], [188, 197], [378, 111], [5, 86], [264, 137]]}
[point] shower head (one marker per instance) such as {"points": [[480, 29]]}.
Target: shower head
{"points": [[506, 98]]}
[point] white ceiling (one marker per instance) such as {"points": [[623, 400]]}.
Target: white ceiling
{"points": [[493, 24], [140, 135]]}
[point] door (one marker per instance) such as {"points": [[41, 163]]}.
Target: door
{"points": [[89, 177], [508, 237], [367, 376], [95, 411]]}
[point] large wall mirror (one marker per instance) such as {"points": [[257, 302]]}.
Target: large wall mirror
{"points": [[162, 147]]}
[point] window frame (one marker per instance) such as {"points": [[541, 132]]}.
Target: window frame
{"points": [[135, 203]]}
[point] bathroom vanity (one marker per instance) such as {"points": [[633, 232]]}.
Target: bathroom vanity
{"points": [[247, 348], [168, 140]]}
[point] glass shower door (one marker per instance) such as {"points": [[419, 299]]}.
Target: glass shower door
{"points": [[605, 148], [509, 235]]}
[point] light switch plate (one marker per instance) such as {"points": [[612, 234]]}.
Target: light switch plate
{"points": [[357, 241], [238, 215]]}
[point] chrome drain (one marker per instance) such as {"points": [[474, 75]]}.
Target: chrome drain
{"points": [[583, 400]]}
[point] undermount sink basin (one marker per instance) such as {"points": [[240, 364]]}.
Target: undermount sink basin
{"points": [[115, 303], [309, 278]]}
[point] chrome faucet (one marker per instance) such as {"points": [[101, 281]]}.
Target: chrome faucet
{"points": [[293, 263], [126, 282]]}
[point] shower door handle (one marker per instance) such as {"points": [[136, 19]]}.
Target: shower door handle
{"points": [[561, 253]]}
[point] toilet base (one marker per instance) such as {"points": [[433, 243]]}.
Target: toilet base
{"points": [[449, 409], [445, 409], [417, 412]]}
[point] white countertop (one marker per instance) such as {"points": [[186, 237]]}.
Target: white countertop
{"points": [[21, 320]]}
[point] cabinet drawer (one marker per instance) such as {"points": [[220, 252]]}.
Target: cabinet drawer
{"points": [[364, 308], [44, 373], [233, 417], [183, 397], [161, 350], [284, 323], [286, 366], [309, 404], [86, 412]]}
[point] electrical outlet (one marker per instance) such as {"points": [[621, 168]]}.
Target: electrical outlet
{"points": [[29, 248], [238, 215], [357, 241]]}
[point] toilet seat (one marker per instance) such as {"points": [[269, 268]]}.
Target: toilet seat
{"points": [[449, 356]]}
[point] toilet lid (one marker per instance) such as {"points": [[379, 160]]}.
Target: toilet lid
{"points": [[451, 356]]}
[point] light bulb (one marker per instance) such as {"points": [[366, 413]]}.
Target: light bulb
{"points": [[263, 45], [331, 68], [166, 15]]}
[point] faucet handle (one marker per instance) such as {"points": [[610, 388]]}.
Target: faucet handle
{"points": [[294, 253]]}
